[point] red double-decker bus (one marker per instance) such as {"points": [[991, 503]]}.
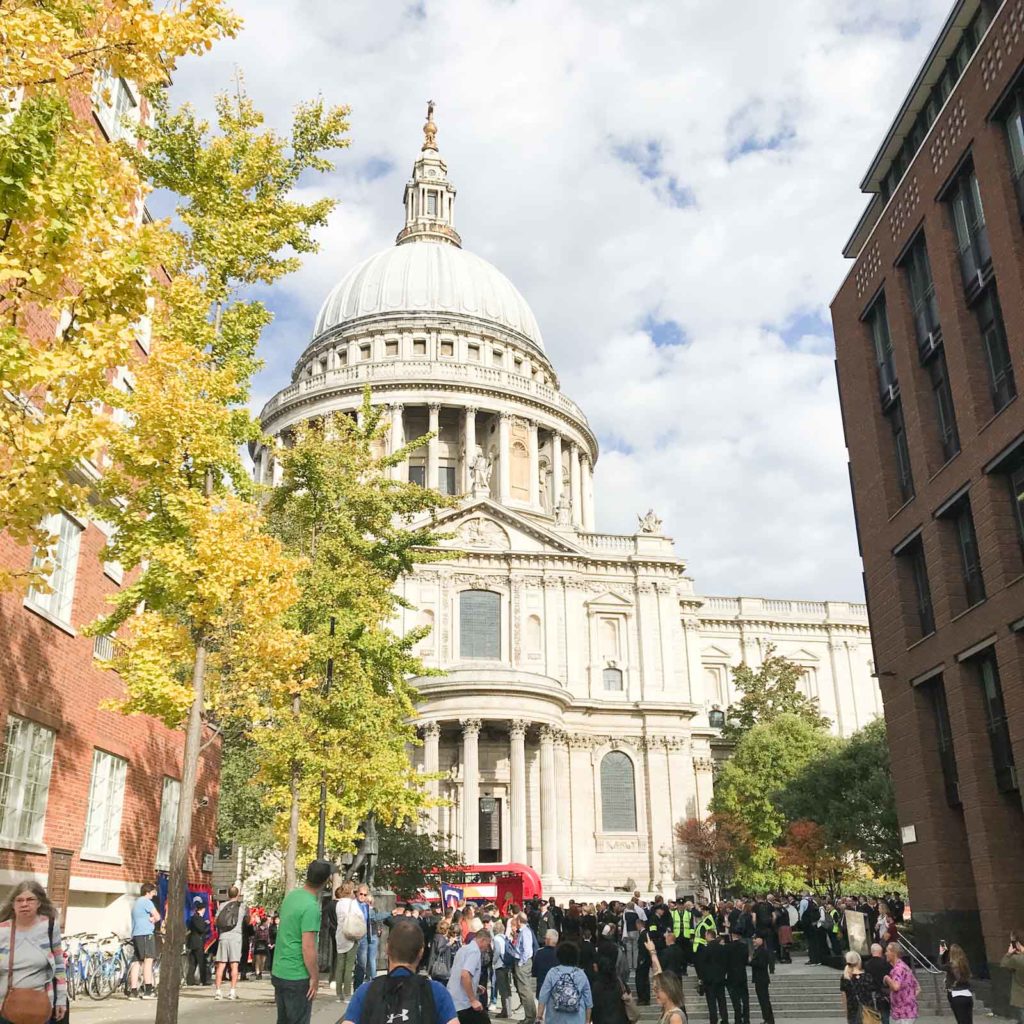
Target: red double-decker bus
{"points": [[500, 884]]}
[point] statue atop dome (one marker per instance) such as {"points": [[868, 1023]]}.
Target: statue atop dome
{"points": [[430, 129]]}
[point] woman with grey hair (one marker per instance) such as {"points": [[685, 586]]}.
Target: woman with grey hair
{"points": [[859, 992], [31, 958]]}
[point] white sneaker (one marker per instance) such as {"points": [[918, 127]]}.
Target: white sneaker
{"points": [[232, 994], [218, 994]]}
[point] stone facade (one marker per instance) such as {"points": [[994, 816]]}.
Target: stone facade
{"points": [[570, 727]]}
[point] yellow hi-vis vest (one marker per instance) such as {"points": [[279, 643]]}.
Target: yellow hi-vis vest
{"points": [[834, 914], [687, 924], [677, 924], [700, 938]]}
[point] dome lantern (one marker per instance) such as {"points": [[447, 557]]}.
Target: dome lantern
{"points": [[429, 195]]}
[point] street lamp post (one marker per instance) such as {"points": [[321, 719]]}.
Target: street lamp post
{"points": [[321, 832]]}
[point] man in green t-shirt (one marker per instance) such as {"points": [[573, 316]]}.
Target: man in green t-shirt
{"points": [[295, 974]]}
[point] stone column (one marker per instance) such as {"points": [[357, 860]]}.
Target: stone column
{"points": [[548, 813], [574, 484], [469, 432], [588, 495], [470, 790], [565, 831], [517, 737], [431, 742], [703, 768], [398, 439], [534, 466], [504, 456], [433, 445], [556, 469]]}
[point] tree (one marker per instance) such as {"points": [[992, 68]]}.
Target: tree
{"points": [[216, 588], [771, 690], [848, 792], [340, 508], [715, 842], [75, 260], [765, 759], [807, 849], [408, 859]]}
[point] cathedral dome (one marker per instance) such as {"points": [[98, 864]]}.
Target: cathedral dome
{"points": [[429, 277]]}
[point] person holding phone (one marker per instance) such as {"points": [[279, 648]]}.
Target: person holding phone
{"points": [[958, 981], [1014, 962]]}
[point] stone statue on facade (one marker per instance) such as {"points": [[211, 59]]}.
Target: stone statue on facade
{"points": [[563, 511], [481, 468], [666, 882], [542, 486], [650, 523]]}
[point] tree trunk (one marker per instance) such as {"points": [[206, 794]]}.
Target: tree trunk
{"points": [[292, 853], [174, 921]]}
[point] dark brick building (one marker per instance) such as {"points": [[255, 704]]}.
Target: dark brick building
{"points": [[88, 797], [929, 328]]}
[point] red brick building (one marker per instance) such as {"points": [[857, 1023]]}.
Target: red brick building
{"points": [[88, 797], [929, 328]]}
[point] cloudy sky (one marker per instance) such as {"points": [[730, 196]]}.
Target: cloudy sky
{"points": [[669, 183]]}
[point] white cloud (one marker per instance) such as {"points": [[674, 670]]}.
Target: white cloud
{"points": [[764, 114]]}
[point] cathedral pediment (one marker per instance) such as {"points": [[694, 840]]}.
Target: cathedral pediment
{"points": [[609, 601], [485, 526]]}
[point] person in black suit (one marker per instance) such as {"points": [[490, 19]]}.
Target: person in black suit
{"points": [[736, 979], [760, 970], [713, 968], [195, 942]]}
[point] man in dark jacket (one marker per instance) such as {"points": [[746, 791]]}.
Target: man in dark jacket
{"points": [[198, 929], [736, 979], [760, 964], [713, 968], [672, 958]]}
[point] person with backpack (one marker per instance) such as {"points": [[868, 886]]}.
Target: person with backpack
{"points": [[464, 985], [229, 944], [565, 997], [402, 994], [351, 928]]}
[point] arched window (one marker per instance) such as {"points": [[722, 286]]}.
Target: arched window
{"points": [[613, 678], [618, 793], [479, 624]]}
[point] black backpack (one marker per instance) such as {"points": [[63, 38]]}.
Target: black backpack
{"points": [[227, 916], [399, 999]]}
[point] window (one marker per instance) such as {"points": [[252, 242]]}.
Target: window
{"points": [[942, 397], [391, 349], [971, 233], [996, 722], [904, 476], [447, 348], [922, 297], [64, 560], [168, 822], [446, 479], [1015, 477], [936, 693], [103, 647], [343, 357], [618, 793], [1015, 136], [25, 783], [878, 321], [612, 679], [431, 204], [106, 799], [116, 106], [419, 347], [479, 624], [967, 545], [498, 357], [418, 474], [364, 352], [912, 556], [1002, 386], [473, 353]]}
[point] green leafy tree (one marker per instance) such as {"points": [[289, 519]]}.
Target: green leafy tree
{"points": [[243, 813], [848, 791], [764, 761], [408, 859], [359, 530], [771, 690]]}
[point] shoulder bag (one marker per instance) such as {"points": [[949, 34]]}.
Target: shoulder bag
{"points": [[23, 1005]]}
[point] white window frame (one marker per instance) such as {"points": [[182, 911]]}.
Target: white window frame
{"points": [[170, 797], [106, 804], [58, 604], [123, 102], [25, 782]]}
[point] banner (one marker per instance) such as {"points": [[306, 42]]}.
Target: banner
{"points": [[451, 895], [857, 932]]}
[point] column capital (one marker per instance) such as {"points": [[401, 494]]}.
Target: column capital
{"points": [[396, 406], [431, 730], [471, 409], [574, 447], [703, 764], [548, 734], [517, 729], [471, 727], [505, 414], [434, 406]]}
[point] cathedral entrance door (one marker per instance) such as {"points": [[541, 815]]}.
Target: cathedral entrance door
{"points": [[490, 830]]}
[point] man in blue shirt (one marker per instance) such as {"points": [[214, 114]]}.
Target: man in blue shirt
{"points": [[145, 918], [383, 997], [524, 945], [366, 951]]}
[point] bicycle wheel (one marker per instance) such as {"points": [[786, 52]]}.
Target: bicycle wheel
{"points": [[100, 976]]}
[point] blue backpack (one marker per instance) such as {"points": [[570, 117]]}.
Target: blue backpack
{"points": [[565, 994]]}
